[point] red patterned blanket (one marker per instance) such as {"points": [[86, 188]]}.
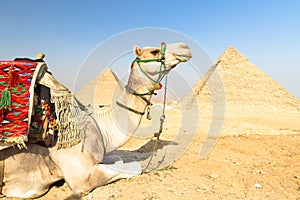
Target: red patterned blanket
{"points": [[15, 82], [34, 106]]}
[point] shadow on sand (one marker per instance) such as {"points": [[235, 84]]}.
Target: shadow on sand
{"points": [[143, 153]]}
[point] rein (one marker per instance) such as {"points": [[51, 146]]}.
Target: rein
{"points": [[157, 135]]}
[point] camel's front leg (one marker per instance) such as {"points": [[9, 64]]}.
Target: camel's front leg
{"points": [[103, 174]]}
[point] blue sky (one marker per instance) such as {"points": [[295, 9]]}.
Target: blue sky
{"points": [[265, 31]]}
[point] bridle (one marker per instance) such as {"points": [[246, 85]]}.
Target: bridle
{"points": [[162, 66], [157, 84]]}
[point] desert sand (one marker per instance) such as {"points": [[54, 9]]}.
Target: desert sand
{"points": [[239, 167], [235, 136]]}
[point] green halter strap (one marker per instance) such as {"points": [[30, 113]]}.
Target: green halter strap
{"points": [[162, 64]]}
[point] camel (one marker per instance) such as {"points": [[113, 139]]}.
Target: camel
{"points": [[29, 173]]}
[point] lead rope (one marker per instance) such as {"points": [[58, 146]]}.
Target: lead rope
{"points": [[162, 120]]}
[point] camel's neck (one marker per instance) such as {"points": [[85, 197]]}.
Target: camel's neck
{"points": [[119, 125], [127, 112]]}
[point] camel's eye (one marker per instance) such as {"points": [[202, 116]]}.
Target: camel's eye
{"points": [[155, 52]]}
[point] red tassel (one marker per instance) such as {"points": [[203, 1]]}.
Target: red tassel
{"points": [[13, 78]]}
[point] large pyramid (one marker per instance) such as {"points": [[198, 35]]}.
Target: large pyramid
{"points": [[246, 99], [101, 90]]}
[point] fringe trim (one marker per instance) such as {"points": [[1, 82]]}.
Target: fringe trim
{"points": [[19, 141], [71, 120]]}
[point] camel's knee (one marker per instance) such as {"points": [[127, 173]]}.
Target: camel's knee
{"points": [[78, 195]]}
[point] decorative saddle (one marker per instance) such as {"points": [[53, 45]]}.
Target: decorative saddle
{"points": [[34, 106]]}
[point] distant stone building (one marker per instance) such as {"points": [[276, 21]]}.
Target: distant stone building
{"points": [[101, 90], [243, 98]]}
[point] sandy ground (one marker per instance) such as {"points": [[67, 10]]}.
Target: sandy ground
{"points": [[246, 167], [253, 166]]}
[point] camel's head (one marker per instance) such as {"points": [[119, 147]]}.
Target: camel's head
{"points": [[153, 63]]}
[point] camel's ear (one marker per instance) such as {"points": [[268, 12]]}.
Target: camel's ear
{"points": [[137, 50]]}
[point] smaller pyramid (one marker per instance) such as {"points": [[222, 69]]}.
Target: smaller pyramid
{"points": [[101, 90]]}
